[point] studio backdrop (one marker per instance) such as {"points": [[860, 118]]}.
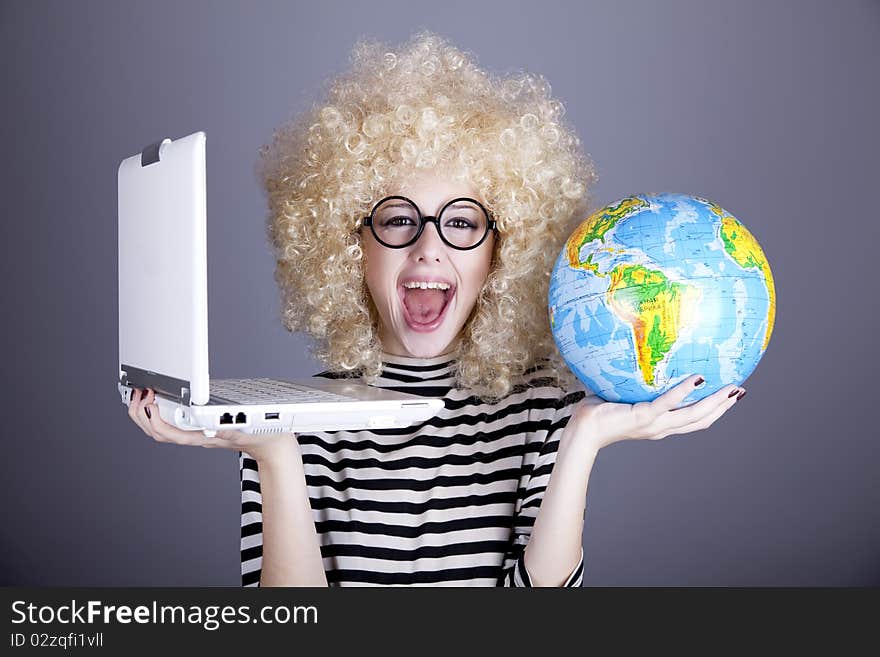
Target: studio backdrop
{"points": [[767, 108]]}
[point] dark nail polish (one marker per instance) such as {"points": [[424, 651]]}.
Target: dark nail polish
{"points": [[144, 393], [699, 381], [733, 392], [742, 395], [147, 411]]}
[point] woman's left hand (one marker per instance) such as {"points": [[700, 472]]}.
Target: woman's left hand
{"points": [[602, 423]]}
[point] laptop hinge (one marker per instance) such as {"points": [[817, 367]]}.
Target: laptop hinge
{"points": [[169, 386]]}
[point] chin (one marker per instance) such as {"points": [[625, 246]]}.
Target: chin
{"points": [[427, 346], [421, 344]]}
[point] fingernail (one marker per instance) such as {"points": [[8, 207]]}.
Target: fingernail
{"points": [[699, 381], [733, 392], [147, 411], [742, 395], [144, 393]]}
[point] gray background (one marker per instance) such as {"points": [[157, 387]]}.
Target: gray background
{"points": [[769, 108]]}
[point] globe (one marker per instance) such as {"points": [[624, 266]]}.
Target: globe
{"points": [[655, 287]]}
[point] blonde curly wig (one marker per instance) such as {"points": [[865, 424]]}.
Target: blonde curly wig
{"points": [[425, 105]]}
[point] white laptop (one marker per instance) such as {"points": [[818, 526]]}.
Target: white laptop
{"points": [[163, 318]]}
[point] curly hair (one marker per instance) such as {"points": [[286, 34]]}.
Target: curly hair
{"points": [[425, 106]]}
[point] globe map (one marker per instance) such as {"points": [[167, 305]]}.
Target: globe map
{"points": [[656, 287]]}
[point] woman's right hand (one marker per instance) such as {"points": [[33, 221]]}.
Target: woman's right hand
{"points": [[262, 448]]}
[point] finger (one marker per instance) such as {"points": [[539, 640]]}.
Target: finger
{"points": [[645, 415], [705, 422], [693, 412], [145, 413], [136, 410], [131, 399], [168, 433], [676, 395], [132, 403], [700, 414], [160, 430]]}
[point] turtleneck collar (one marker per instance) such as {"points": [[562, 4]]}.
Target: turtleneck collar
{"points": [[432, 377]]}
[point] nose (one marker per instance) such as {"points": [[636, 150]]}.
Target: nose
{"points": [[429, 246]]}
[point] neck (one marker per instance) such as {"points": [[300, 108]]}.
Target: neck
{"points": [[450, 353], [407, 359]]}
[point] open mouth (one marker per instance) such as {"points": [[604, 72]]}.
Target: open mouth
{"points": [[424, 308]]}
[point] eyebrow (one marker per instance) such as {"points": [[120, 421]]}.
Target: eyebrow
{"points": [[403, 204]]}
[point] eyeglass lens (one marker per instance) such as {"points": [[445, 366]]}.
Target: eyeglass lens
{"points": [[462, 224]]}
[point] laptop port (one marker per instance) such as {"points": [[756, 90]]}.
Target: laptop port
{"points": [[272, 416], [241, 418], [226, 418]]}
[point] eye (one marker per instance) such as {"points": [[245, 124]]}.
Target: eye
{"points": [[459, 223], [401, 220]]}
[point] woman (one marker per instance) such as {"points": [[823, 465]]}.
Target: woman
{"points": [[415, 214]]}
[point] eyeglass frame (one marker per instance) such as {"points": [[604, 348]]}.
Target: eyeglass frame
{"points": [[491, 224]]}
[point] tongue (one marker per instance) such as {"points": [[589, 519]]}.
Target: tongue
{"points": [[424, 306]]}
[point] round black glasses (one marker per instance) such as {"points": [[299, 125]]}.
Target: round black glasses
{"points": [[396, 221]]}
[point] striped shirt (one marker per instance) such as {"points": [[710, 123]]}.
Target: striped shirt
{"points": [[450, 501]]}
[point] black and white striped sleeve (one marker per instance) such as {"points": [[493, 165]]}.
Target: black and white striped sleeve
{"points": [[537, 468], [251, 521]]}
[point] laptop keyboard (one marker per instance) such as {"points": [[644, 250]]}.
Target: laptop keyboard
{"points": [[267, 391]]}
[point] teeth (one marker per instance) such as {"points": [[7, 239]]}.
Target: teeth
{"points": [[426, 285]]}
